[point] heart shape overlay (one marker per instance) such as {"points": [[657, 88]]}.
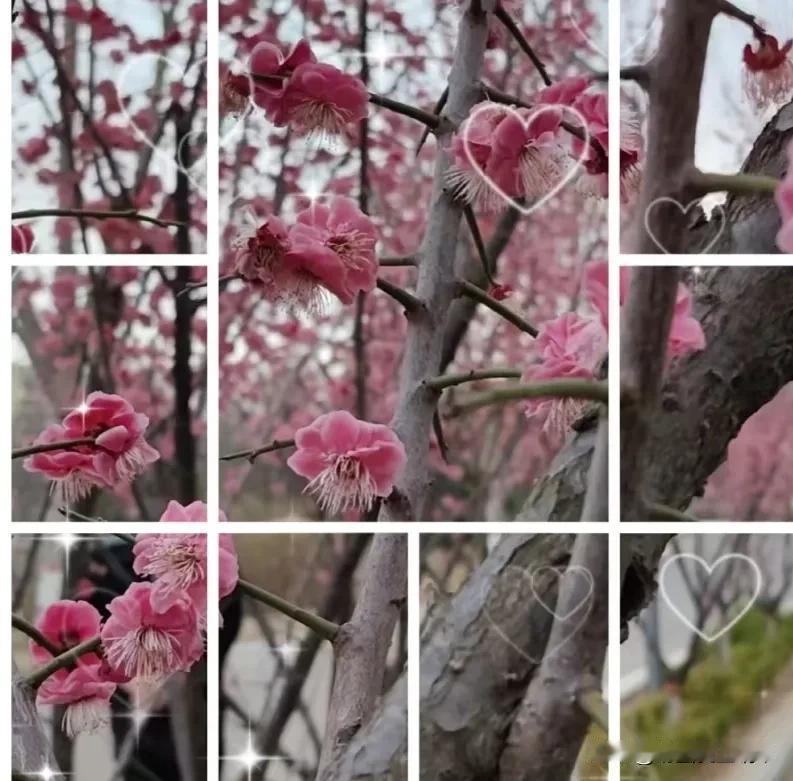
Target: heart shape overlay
{"points": [[685, 209], [576, 615], [567, 12], [560, 185], [710, 637]]}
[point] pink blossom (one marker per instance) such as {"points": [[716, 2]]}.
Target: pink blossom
{"points": [[335, 245], [512, 150], [567, 347], [178, 565], [768, 77], [270, 72], [72, 469], [322, 99], [193, 512], [784, 199], [119, 452], [348, 462], [67, 623], [228, 565], [141, 642], [86, 693], [596, 289]]}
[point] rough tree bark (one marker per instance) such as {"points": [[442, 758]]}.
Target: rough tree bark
{"points": [[549, 726], [479, 651], [436, 285], [361, 646], [31, 752]]}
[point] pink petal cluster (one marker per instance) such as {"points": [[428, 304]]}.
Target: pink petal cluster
{"points": [[178, 562], [784, 199], [141, 641], [310, 97], [117, 455], [85, 689], [348, 462], [22, 239], [503, 151], [329, 249], [768, 74], [574, 346]]}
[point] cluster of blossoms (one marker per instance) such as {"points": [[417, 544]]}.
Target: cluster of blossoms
{"points": [[575, 347], [328, 249], [22, 239], [768, 74], [502, 152], [784, 199], [154, 629], [348, 462], [117, 454], [297, 91]]}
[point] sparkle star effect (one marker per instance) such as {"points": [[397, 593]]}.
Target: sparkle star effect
{"points": [[250, 758], [67, 541], [48, 774]]}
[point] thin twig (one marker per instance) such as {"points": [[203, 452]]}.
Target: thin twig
{"points": [[450, 380], [739, 184], [66, 659], [17, 622], [48, 447], [729, 9], [94, 214], [592, 703], [480, 296], [515, 31], [324, 628], [430, 120], [479, 243], [402, 296], [661, 512], [252, 455], [591, 390], [439, 106]]}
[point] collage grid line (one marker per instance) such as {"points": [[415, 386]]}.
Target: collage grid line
{"points": [[616, 531]]}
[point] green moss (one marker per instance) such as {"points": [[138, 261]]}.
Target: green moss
{"points": [[721, 690]]}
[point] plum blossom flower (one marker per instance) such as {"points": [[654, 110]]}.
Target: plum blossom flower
{"points": [[348, 462], [121, 451], [85, 689], [86, 694], [71, 469], [784, 199], [768, 77], [309, 96], [141, 642], [685, 334], [335, 245], [568, 347], [512, 150], [66, 623]]}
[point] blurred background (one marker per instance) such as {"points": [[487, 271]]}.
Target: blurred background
{"points": [[707, 668]]}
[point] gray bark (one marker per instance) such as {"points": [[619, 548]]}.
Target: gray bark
{"points": [[30, 749], [549, 726], [436, 285], [362, 644]]}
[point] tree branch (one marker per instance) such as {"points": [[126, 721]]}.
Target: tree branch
{"points": [[62, 661], [48, 447], [481, 297], [451, 380], [252, 455], [94, 214]]}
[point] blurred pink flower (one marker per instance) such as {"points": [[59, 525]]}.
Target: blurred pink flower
{"points": [[22, 239], [142, 643], [348, 462], [86, 693], [270, 71], [67, 623], [567, 347], [195, 512], [228, 565], [596, 288], [768, 76], [335, 245], [685, 334], [120, 452], [784, 199]]}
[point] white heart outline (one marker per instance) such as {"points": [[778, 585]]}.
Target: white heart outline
{"points": [[709, 568], [548, 650], [567, 11], [559, 186], [685, 210]]}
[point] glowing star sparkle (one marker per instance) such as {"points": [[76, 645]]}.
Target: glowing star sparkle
{"points": [[250, 758]]}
